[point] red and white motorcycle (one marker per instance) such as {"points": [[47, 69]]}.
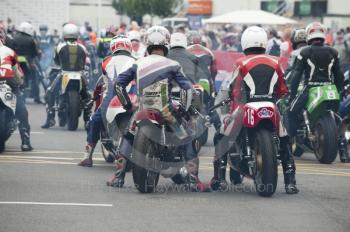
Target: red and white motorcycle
{"points": [[249, 138], [7, 113], [116, 121]]}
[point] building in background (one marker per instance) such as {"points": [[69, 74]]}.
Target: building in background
{"points": [[100, 14], [50, 12]]}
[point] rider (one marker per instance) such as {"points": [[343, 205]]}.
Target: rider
{"points": [[118, 62], [178, 52], [316, 63], [70, 56], [12, 73], [138, 49], [148, 71], [206, 57], [263, 76], [25, 45], [298, 42]]}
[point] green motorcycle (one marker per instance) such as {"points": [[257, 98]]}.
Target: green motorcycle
{"points": [[318, 131]]}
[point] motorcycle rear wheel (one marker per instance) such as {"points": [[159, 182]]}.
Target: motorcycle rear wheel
{"points": [[4, 130], [73, 110], [326, 145], [145, 180], [266, 163]]}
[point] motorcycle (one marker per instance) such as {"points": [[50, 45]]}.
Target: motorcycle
{"points": [[70, 105], [117, 120], [158, 146], [318, 131], [206, 94], [8, 122], [250, 135], [200, 103]]}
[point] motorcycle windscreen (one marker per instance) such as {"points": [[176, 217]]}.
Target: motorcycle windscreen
{"points": [[233, 121]]}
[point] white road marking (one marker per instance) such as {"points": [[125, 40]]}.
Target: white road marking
{"points": [[32, 133], [46, 152], [53, 204], [43, 157]]}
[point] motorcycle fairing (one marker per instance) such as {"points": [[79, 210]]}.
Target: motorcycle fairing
{"points": [[322, 94], [7, 97], [115, 107], [69, 77]]}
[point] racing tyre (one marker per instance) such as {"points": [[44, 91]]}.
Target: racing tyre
{"points": [[145, 180], [326, 144], [266, 163], [73, 110]]}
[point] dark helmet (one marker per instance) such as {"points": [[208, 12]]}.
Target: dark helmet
{"points": [[43, 27], [298, 37]]}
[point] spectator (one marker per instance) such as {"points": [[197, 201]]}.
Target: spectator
{"points": [[274, 43], [286, 46], [329, 38], [342, 47]]}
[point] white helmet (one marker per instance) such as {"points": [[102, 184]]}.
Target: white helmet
{"points": [[178, 40], [70, 31], [134, 36], [254, 37], [157, 36], [26, 28], [120, 43], [315, 31]]}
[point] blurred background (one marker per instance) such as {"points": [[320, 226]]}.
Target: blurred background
{"points": [[335, 14]]}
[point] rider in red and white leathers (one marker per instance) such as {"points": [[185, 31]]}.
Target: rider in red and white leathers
{"points": [[118, 62], [11, 72], [258, 76]]}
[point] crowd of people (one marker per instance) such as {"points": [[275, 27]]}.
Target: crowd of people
{"points": [[160, 56]]}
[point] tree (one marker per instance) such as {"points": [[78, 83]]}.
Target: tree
{"points": [[132, 8], [164, 8]]}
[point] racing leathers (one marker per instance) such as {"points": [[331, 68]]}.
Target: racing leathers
{"points": [[206, 62], [70, 56], [28, 53], [188, 62], [316, 65], [111, 67], [262, 76], [149, 72], [11, 72]]}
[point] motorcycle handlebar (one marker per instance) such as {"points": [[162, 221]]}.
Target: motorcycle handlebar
{"points": [[223, 103]]}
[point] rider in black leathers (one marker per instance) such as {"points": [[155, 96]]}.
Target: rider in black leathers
{"points": [[70, 56], [317, 63], [23, 43]]}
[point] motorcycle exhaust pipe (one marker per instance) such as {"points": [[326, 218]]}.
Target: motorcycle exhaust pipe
{"points": [[169, 172], [343, 126]]}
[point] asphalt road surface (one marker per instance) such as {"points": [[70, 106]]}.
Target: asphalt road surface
{"points": [[45, 190]]}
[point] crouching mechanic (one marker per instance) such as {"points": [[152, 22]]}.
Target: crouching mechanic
{"points": [[70, 56], [120, 61], [263, 78], [11, 72], [149, 72]]}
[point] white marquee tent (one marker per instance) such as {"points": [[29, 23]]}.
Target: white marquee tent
{"points": [[250, 17]]}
